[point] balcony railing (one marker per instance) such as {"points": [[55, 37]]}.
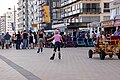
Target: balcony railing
{"points": [[80, 11], [91, 10]]}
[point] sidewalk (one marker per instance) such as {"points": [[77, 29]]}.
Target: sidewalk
{"points": [[75, 65]]}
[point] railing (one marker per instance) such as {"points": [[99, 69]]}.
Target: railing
{"points": [[91, 10]]}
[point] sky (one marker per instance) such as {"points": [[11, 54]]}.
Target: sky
{"points": [[5, 4]]}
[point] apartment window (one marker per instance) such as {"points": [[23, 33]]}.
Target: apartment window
{"points": [[23, 19], [23, 6], [91, 19], [78, 7], [106, 18], [106, 10], [106, 5], [73, 8]]}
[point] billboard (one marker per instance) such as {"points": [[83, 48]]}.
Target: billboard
{"points": [[46, 14]]}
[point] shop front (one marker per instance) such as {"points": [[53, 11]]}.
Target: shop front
{"points": [[117, 24], [108, 26], [94, 27]]}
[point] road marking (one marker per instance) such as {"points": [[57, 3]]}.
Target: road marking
{"points": [[20, 69]]}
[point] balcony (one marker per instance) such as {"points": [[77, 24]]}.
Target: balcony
{"points": [[91, 10], [69, 2]]}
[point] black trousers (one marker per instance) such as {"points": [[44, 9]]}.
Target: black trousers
{"points": [[57, 45]]}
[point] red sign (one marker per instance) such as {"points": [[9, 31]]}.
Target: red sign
{"points": [[117, 23]]}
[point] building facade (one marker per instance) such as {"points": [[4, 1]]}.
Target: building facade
{"points": [[115, 13], [78, 13], [21, 14], [31, 12], [10, 22], [2, 24], [115, 9]]}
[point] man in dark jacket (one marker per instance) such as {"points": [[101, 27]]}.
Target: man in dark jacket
{"points": [[25, 37], [7, 40], [18, 42]]}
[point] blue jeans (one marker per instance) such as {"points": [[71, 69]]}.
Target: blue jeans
{"points": [[24, 43], [18, 44], [2, 43]]}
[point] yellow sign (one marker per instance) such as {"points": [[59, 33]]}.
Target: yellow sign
{"points": [[34, 25], [46, 14], [108, 24]]}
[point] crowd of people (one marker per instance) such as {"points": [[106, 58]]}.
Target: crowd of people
{"points": [[24, 40], [21, 40]]}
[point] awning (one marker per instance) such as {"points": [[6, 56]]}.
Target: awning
{"points": [[94, 24], [117, 23], [77, 25], [59, 25]]}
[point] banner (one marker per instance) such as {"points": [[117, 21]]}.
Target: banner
{"points": [[13, 27], [34, 25], [46, 14]]}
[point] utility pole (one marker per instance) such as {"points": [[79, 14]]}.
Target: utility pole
{"points": [[14, 20], [26, 16]]}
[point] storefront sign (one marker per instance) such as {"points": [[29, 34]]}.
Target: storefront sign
{"points": [[94, 24], [117, 23], [107, 24]]}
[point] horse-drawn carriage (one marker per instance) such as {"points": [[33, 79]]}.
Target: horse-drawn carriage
{"points": [[111, 47]]}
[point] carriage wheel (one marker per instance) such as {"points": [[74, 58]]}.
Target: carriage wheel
{"points": [[102, 55], [90, 53], [119, 55]]}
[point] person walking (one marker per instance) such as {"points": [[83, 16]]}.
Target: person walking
{"points": [[57, 39], [117, 33], [7, 40], [18, 42], [40, 40], [31, 41], [25, 37], [2, 40]]}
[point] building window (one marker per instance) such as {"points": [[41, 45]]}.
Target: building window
{"points": [[106, 10], [106, 5], [105, 18]]}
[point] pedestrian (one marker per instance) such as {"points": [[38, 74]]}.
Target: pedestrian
{"points": [[18, 42], [57, 39], [25, 37], [2, 40], [35, 39], [41, 39], [117, 33], [31, 41], [7, 40]]}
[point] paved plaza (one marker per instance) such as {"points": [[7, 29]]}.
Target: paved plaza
{"points": [[74, 65]]}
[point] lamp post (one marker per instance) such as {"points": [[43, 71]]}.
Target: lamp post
{"points": [[26, 15], [14, 20]]}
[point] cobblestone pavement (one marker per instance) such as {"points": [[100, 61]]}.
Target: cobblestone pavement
{"points": [[74, 65]]}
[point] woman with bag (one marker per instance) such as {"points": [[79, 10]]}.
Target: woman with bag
{"points": [[57, 38]]}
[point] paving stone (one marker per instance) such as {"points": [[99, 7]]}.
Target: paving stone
{"points": [[74, 65]]}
